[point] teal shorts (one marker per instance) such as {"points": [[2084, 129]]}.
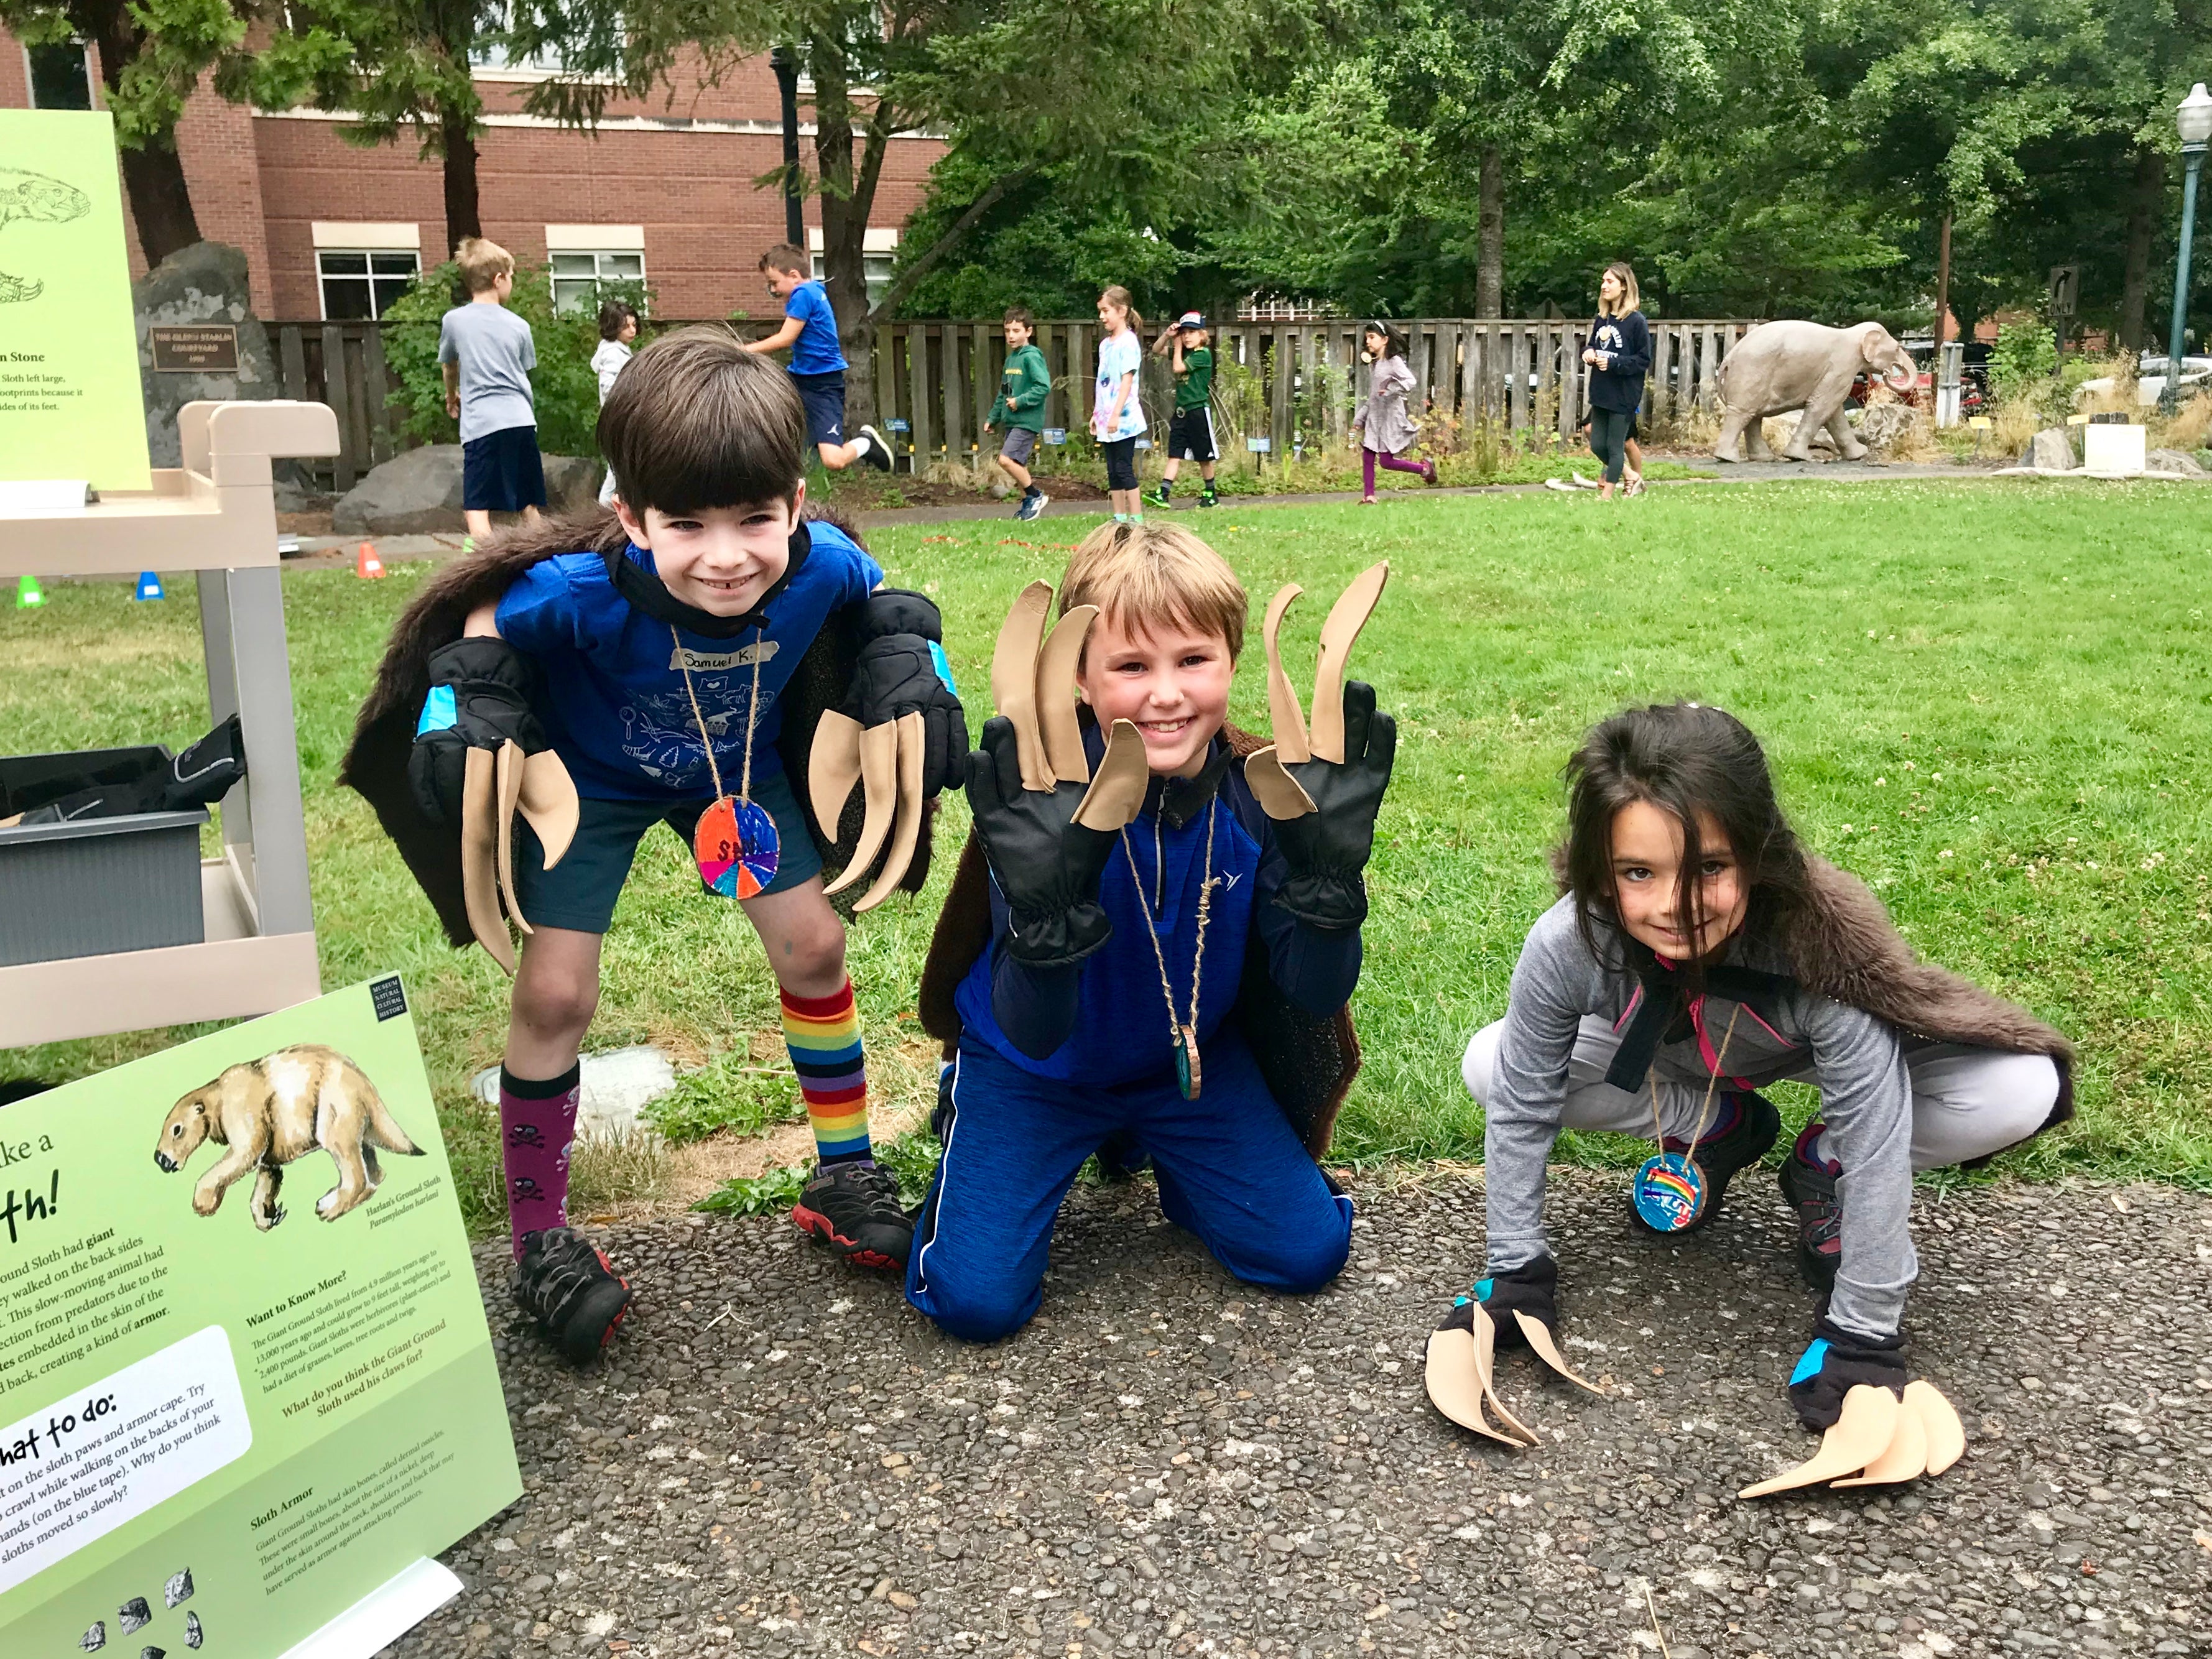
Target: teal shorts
{"points": [[580, 892]]}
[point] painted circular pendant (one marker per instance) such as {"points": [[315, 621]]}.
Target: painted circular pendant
{"points": [[1188, 1077], [1669, 1191], [736, 848]]}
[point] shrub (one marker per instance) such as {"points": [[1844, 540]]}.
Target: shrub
{"points": [[566, 391], [2024, 363]]}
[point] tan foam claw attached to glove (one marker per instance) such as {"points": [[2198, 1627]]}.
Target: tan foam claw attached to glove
{"points": [[885, 762], [495, 786], [1033, 686], [1278, 793], [1878, 1440], [1462, 1374]]}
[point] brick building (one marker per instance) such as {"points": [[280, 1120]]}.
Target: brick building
{"points": [[664, 189]]}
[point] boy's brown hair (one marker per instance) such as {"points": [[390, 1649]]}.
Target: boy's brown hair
{"points": [[784, 256], [483, 263], [1142, 575], [1020, 314], [697, 421]]}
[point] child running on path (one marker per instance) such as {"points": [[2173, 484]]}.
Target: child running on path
{"points": [[1022, 390], [1387, 431], [657, 651], [1185, 343], [1117, 414], [487, 353], [1698, 952], [818, 361]]}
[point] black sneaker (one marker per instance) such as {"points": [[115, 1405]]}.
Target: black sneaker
{"points": [[854, 1209], [1719, 1157], [878, 453], [564, 1282], [1809, 1190]]}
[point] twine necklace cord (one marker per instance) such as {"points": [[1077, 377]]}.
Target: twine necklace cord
{"points": [[1175, 1028], [1706, 1111], [752, 713]]}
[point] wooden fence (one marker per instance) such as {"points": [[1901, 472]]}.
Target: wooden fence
{"points": [[1284, 386]]}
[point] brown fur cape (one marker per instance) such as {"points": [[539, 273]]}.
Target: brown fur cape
{"points": [[1308, 1063], [1843, 945], [376, 763]]}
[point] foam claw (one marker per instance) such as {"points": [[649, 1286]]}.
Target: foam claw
{"points": [[548, 804], [833, 767], [1904, 1458], [908, 732], [1946, 1436], [1485, 1367], [507, 768], [1055, 695], [1279, 794], [1538, 1335], [1014, 680], [1345, 618], [479, 863], [879, 759], [1289, 720], [1117, 789], [1455, 1389], [1861, 1434]]}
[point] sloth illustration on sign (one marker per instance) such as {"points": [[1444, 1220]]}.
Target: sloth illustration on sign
{"points": [[41, 200]]}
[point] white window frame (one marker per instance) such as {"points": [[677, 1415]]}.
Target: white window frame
{"points": [[92, 82], [488, 58], [879, 254], [599, 243], [369, 239]]}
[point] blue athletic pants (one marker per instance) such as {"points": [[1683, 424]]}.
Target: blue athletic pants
{"points": [[1230, 1169]]}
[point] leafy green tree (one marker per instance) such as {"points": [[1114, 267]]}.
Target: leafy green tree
{"points": [[151, 54]]}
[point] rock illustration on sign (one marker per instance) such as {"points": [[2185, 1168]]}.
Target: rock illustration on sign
{"points": [[270, 1111], [34, 196]]}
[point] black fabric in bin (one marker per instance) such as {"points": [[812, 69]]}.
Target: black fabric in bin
{"points": [[100, 886]]}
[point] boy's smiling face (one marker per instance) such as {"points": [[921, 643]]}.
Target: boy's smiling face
{"points": [[1171, 681], [720, 559]]}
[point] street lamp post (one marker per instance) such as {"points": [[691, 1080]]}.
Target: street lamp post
{"points": [[2194, 118], [785, 62]]}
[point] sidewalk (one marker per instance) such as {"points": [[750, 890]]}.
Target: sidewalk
{"points": [[783, 1458]]}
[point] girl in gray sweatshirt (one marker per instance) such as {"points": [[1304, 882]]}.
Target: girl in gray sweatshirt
{"points": [[1697, 953]]}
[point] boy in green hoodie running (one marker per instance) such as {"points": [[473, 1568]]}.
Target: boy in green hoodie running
{"points": [[1020, 407]]}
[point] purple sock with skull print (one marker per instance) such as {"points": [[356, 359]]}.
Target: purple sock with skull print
{"points": [[537, 1125]]}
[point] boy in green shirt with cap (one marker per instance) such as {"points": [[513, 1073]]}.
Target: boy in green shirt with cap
{"points": [[1022, 393], [1190, 432]]}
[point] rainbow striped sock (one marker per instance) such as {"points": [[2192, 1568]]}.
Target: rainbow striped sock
{"points": [[824, 1036]]}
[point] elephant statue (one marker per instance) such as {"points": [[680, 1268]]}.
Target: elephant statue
{"points": [[1779, 367]]}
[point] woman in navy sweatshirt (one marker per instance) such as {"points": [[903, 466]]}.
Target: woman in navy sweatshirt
{"points": [[1619, 354]]}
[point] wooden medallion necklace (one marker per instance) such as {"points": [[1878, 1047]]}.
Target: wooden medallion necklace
{"points": [[1184, 1036], [735, 844]]}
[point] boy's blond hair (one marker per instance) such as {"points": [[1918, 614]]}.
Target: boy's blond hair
{"points": [[1141, 576], [483, 263]]}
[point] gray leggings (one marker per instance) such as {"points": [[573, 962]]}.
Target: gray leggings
{"points": [[1609, 430]]}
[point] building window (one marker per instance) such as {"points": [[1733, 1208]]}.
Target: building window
{"points": [[577, 275], [490, 54], [61, 75], [360, 284]]}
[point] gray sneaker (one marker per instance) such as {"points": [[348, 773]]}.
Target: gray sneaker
{"points": [[1032, 506]]}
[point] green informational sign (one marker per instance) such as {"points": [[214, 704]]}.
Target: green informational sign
{"points": [[245, 1374], [71, 406]]}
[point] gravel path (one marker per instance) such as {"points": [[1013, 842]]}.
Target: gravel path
{"points": [[782, 1459]]}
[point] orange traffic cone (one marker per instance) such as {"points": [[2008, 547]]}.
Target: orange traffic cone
{"points": [[365, 563]]}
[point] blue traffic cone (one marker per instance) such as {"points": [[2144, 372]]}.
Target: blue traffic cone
{"points": [[149, 586], [27, 595]]}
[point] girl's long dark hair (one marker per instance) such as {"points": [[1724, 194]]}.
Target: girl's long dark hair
{"points": [[1686, 759], [1394, 342]]}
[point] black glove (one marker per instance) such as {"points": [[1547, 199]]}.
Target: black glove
{"points": [[900, 672], [1046, 864], [1326, 848], [1531, 1288], [479, 699], [1834, 1364]]}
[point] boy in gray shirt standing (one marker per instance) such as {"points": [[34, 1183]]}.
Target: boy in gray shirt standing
{"points": [[488, 353]]}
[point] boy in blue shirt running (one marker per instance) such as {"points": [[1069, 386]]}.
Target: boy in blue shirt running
{"points": [[657, 650], [818, 361]]}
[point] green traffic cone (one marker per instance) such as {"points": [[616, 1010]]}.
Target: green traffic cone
{"points": [[29, 597]]}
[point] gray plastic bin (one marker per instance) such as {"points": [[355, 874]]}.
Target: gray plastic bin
{"points": [[100, 886]]}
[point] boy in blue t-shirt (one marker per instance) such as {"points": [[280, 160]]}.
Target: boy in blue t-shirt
{"points": [[650, 648], [818, 361]]}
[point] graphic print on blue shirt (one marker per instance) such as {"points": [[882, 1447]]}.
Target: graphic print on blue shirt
{"points": [[613, 700], [816, 351]]}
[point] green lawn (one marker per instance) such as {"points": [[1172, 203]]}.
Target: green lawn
{"points": [[1988, 698]]}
